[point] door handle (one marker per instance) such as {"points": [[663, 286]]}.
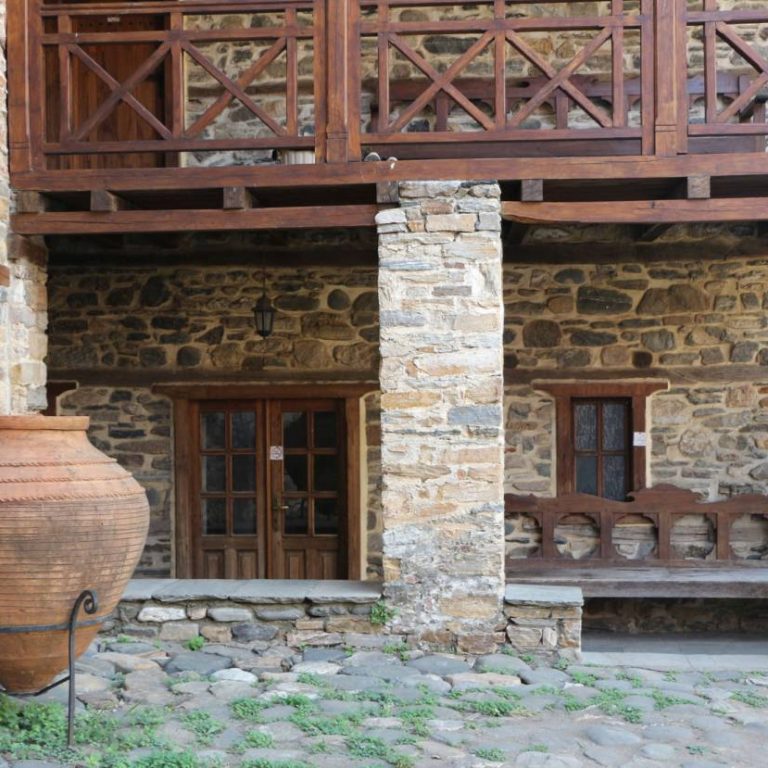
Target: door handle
{"points": [[276, 507]]}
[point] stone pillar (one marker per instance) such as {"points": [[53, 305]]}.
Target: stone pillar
{"points": [[23, 302], [442, 315]]}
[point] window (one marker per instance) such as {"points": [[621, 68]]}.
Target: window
{"points": [[600, 435], [601, 448]]}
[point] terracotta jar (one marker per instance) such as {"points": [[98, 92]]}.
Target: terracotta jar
{"points": [[71, 519]]}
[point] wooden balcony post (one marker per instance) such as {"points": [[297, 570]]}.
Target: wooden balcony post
{"points": [[340, 65], [670, 61]]}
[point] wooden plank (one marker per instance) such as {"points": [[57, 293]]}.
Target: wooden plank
{"points": [[237, 199], [387, 192], [200, 220], [185, 424], [5, 276], [104, 201], [336, 66], [503, 169], [353, 459], [667, 58], [639, 211], [18, 88], [32, 202]]}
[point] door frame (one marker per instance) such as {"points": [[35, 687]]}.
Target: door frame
{"points": [[185, 398]]}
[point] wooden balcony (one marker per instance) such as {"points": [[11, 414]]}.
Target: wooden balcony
{"points": [[130, 109]]}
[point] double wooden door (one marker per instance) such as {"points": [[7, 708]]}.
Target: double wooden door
{"points": [[268, 489]]}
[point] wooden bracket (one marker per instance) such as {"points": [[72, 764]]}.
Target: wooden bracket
{"points": [[28, 201], [237, 199], [104, 201], [532, 190], [699, 187]]}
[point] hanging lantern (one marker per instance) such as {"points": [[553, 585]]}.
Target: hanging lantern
{"points": [[264, 315]]}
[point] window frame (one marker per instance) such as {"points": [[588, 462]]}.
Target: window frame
{"points": [[565, 392]]}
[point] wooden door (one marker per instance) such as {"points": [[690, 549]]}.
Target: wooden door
{"points": [[229, 491], [268, 490], [308, 504]]}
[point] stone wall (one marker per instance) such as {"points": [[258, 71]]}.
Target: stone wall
{"points": [[181, 323], [701, 325], [441, 383]]}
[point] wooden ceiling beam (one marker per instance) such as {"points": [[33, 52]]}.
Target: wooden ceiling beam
{"points": [[200, 220], [330, 174], [639, 211]]}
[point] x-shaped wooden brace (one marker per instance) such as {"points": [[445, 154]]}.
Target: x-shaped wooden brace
{"points": [[235, 89], [440, 81], [120, 92], [560, 79], [755, 59]]}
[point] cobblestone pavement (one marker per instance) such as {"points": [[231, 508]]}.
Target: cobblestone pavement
{"points": [[160, 705]]}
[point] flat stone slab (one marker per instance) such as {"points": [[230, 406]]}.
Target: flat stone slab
{"points": [[542, 595], [144, 589], [197, 589]]}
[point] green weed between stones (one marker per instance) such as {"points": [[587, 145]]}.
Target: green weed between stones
{"points": [[203, 725], [338, 725], [611, 702], [492, 708], [538, 748], [381, 613], [492, 755], [367, 747], [195, 643], [750, 699], [264, 763], [248, 709], [663, 700], [583, 678], [256, 740], [634, 680]]}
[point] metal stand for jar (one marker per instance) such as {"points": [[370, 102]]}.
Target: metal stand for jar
{"points": [[88, 601]]}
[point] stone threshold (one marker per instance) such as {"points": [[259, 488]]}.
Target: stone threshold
{"points": [[257, 591]]}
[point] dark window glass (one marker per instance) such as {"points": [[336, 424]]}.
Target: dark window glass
{"points": [[296, 517], [214, 517], [615, 477], [326, 516], [295, 473], [243, 473], [214, 473], [614, 426], [585, 426], [325, 429], [244, 516], [586, 474], [212, 427], [326, 473], [244, 430], [295, 429]]}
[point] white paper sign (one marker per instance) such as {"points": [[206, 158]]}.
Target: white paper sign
{"points": [[639, 439], [275, 452]]}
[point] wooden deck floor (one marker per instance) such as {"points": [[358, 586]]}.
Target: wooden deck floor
{"points": [[730, 582]]}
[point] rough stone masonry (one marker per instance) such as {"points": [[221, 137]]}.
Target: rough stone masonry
{"points": [[441, 315]]}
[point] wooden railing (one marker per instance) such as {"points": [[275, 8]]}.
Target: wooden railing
{"points": [[655, 511], [163, 83]]}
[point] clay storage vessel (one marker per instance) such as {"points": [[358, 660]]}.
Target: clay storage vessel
{"points": [[70, 519]]}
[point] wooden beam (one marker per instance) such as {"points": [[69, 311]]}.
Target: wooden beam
{"points": [[639, 211], [104, 201], [387, 192], [699, 187], [5, 276], [532, 190], [502, 169], [237, 199], [201, 220]]}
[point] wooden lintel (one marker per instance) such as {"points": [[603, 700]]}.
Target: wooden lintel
{"points": [[639, 211], [699, 187], [31, 202], [237, 199], [200, 220], [532, 190], [502, 169], [5, 276], [104, 201]]}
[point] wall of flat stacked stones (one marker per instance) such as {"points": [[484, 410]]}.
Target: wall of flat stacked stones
{"points": [[300, 624], [198, 320], [683, 318], [544, 630]]}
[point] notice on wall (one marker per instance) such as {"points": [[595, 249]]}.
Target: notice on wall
{"points": [[639, 439], [275, 452]]}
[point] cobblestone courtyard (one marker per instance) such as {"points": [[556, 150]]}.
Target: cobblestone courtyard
{"points": [[262, 705]]}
